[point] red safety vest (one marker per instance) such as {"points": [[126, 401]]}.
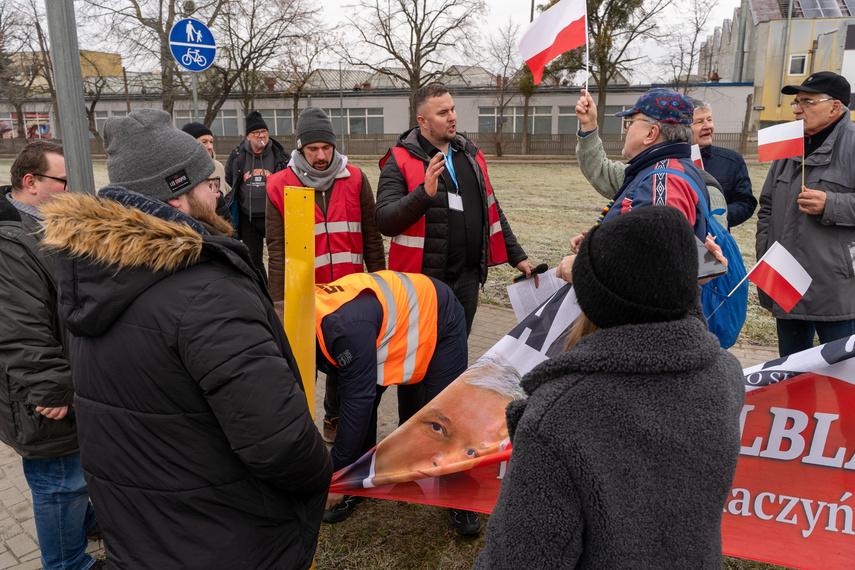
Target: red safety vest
{"points": [[407, 250], [407, 337], [338, 237]]}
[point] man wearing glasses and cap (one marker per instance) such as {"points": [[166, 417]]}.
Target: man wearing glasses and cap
{"points": [[658, 136], [815, 221]]}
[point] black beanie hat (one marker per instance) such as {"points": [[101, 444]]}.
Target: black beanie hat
{"points": [[255, 122], [314, 126], [196, 130], [640, 267]]}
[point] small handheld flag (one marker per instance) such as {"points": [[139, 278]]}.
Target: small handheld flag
{"points": [[558, 30]]}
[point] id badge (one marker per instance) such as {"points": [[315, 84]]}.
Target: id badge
{"points": [[455, 202]]}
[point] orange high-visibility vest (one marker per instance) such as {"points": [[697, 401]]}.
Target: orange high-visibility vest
{"points": [[338, 237], [408, 334], [407, 249]]}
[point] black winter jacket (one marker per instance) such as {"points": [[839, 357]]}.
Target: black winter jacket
{"points": [[195, 435], [234, 175], [34, 370], [397, 209], [623, 454], [729, 169]]}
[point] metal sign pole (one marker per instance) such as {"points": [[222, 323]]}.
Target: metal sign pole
{"points": [[65, 55], [195, 100]]}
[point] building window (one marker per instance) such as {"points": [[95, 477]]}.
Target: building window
{"points": [[357, 121], [280, 122], [798, 65], [567, 122], [226, 124], [539, 119]]}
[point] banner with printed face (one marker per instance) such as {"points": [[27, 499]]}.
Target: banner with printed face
{"points": [[452, 451], [793, 497]]}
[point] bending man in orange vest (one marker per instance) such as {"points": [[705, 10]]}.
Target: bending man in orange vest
{"points": [[345, 235], [376, 330]]}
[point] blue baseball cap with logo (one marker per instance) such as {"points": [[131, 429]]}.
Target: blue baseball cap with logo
{"points": [[663, 105]]}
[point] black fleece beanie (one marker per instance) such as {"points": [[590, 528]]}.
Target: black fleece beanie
{"points": [[640, 267]]}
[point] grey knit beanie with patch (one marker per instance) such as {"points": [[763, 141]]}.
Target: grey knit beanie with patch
{"points": [[314, 126], [147, 154]]}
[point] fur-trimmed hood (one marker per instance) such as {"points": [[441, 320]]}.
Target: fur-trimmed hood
{"points": [[111, 247]]}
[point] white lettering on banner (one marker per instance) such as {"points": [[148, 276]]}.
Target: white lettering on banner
{"points": [[785, 441], [765, 503]]}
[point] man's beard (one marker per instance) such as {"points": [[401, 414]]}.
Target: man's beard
{"points": [[200, 210]]}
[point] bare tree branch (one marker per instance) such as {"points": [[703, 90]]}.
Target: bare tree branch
{"points": [[410, 40]]}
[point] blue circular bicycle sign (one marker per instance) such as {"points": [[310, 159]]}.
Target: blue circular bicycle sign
{"points": [[192, 44]]}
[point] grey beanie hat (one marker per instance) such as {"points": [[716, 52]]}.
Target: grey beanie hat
{"points": [[147, 154], [314, 126]]}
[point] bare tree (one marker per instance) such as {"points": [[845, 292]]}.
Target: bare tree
{"points": [[504, 55], [94, 86], [298, 64], [24, 67], [683, 41], [142, 28], [413, 38], [251, 34], [614, 28]]}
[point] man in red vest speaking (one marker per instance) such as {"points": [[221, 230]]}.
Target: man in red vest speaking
{"points": [[382, 329], [436, 202]]}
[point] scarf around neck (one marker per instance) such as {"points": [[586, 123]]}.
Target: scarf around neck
{"points": [[320, 180]]}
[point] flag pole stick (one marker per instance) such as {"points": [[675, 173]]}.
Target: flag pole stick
{"points": [[588, 63]]}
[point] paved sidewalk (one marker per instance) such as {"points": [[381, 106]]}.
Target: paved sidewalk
{"points": [[19, 548]]}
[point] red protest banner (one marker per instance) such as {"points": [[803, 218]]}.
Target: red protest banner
{"points": [[792, 500]]}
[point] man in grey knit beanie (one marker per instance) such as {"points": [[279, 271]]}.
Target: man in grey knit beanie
{"points": [[174, 167]]}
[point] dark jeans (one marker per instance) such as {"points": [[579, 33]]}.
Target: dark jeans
{"points": [[252, 235], [795, 336], [62, 510]]}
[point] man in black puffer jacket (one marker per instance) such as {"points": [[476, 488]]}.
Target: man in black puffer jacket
{"points": [[195, 434]]}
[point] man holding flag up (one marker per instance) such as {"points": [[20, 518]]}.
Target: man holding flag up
{"points": [[808, 206]]}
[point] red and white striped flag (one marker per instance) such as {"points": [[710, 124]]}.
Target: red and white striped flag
{"points": [[781, 141], [561, 28], [696, 156], [780, 276]]}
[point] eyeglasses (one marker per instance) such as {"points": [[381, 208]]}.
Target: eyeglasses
{"points": [[213, 183], [805, 103], [258, 134], [63, 180], [627, 123]]}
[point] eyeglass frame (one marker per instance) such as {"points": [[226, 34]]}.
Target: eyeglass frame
{"points": [[63, 180], [627, 122], [809, 102], [213, 183], [259, 133]]}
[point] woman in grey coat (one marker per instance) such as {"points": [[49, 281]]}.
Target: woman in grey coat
{"points": [[625, 450]]}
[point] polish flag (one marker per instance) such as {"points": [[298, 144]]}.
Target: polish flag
{"points": [[781, 141], [561, 28], [696, 156], [780, 276]]}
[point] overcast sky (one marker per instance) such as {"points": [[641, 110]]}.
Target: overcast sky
{"points": [[519, 10]]}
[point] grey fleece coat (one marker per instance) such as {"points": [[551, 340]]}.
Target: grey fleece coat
{"points": [[623, 454]]}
